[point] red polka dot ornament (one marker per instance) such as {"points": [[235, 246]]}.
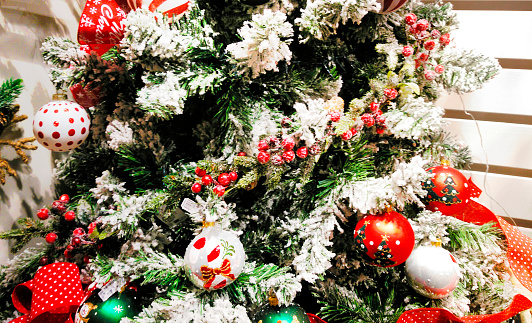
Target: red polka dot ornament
{"points": [[384, 240], [61, 125], [214, 259], [448, 191]]}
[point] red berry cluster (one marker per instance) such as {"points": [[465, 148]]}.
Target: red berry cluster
{"points": [[375, 116], [59, 207], [220, 184], [279, 151], [425, 43]]}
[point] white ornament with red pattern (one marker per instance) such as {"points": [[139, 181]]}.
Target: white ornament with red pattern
{"points": [[214, 259], [61, 125], [432, 271], [167, 7]]}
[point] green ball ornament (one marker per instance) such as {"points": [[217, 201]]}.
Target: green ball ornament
{"points": [[281, 314], [112, 310]]}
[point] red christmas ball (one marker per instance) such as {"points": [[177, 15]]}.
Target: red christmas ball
{"points": [[43, 214], [448, 191], [385, 240]]}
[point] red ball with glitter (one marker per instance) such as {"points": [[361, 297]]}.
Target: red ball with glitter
{"points": [[384, 240]]}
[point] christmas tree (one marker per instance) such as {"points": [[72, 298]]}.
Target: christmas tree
{"points": [[234, 146]]}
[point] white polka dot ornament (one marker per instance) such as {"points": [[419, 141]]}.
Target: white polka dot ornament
{"points": [[384, 240], [214, 259], [61, 125], [432, 271]]}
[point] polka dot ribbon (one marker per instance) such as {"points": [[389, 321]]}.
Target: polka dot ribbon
{"points": [[51, 296], [520, 260]]}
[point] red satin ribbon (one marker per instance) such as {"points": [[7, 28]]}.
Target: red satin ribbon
{"points": [[101, 24], [51, 296], [520, 260]]}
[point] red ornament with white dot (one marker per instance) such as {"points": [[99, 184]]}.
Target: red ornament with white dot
{"points": [[384, 240], [61, 125]]}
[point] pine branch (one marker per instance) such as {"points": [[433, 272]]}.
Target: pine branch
{"points": [[31, 229]]}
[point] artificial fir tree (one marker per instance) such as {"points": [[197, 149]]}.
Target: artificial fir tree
{"points": [[282, 122]]}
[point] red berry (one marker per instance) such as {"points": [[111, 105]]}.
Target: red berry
{"points": [[224, 179], [408, 51], [302, 152], [435, 34], [263, 157], [368, 119], [380, 119], [430, 75], [233, 176], [200, 172], [378, 112], [92, 226], [347, 135], [422, 25], [335, 116], [59, 206], [263, 145], [390, 93], [413, 30], [429, 44], [423, 57], [423, 34], [242, 153], [87, 259], [285, 122], [445, 39], [374, 106], [64, 198], [315, 149], [70, 247], [206, 180], [70, 215], [78, 232], [277, 160], [68, 254], [439, 69], [76, 241], [288, 143], [289, 155], [51, 237], [410, 19], [43, 213], [219, 190], [196, 188], [274, 141], [43, 261], [380, 131]]}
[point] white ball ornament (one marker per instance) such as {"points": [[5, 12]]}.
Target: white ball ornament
{"points": [[61, 125], [214, 259], [432, 271]]}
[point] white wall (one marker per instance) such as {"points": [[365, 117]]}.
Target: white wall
{"points": [[24, 24]]}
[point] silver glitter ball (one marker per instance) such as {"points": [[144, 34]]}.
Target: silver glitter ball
{"points": [[432, 271]]}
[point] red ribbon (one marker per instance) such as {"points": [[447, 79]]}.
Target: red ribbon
{"points": [[519, 257], [209, 274], [314, 319], [51, 296]]}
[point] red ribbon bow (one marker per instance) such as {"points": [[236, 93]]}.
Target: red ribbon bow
{"points": [[51, 296], [209, 274]]}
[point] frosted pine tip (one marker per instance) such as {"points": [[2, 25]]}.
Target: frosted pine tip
{"points": [[272, 299], [208, 224], [445, 162], [436, 243], [334, 104]]}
